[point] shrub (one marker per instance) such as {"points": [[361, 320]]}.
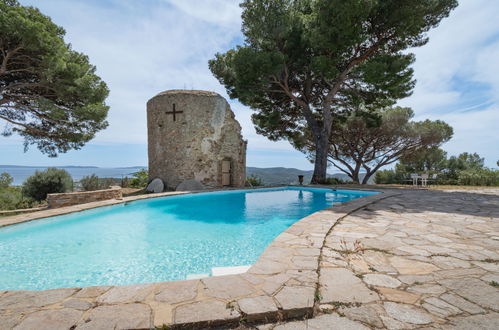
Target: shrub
{"points": [[5, 180], [253, 181], [481, 177], [50, 181], [90, 182], [331, 181], [140, 179]]}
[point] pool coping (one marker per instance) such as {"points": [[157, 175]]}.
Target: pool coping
{"points": [[281, 284]]}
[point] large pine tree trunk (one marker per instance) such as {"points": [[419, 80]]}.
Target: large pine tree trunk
{"points": [[320, 164], [366, 177]]}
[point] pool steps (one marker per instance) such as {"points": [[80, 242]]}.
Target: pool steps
{"points": [[219, 271]]}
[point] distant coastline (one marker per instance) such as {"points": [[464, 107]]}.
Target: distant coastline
{"points": [[20, 173]]}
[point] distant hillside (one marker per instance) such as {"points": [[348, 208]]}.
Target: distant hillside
{"points": [[282, 175]]}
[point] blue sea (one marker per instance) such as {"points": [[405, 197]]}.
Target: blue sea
{"points": [[20, 173]]}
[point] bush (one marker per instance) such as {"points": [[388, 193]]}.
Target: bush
{"points": [[93, 182], [140, 179], [5, 180], [50, 181], [331, 181], [253, 181], [90, 182], [481, 177]]}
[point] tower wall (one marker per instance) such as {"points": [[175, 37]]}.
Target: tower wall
{"points": [[193, 142]]}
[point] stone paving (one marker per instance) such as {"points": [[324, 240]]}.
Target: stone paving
{"points": [[399, 260], [422, 259]]}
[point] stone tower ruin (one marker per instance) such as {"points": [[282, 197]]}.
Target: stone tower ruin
{"points": [[193, 135]]}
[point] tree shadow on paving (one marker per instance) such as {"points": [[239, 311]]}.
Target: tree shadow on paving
{"points": [[467, 203]]}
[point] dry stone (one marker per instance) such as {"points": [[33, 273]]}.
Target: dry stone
{"points": [[156, 186], [407, 313], [190, 185], [129, 316], [190, 134], [340, 284], [50, 319], [213, 311]]}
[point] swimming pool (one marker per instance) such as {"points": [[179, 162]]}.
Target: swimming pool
{"points": [[157, 239]]}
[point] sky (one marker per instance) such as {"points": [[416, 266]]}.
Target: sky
{"points": [[141, 48]]}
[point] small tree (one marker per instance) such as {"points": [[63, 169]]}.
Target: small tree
{"points": [[5, 180], [305, 61], [139, 179], [367, 141], [49, 93], [90, 182], [50, 181]]}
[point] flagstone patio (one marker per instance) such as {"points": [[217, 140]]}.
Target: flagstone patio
{"points": [[399, 260]]}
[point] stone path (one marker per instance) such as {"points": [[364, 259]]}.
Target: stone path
{"points": [[421, 259], [399, 260]]}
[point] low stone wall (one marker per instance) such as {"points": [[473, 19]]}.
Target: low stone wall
{"points": [[68, 199]]}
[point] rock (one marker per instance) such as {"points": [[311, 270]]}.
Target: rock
{"points": [[398, 295], [407, 313], [407, 266], [213, 311], [50, 319], [440, 307], [340, 284], [129, 316], [427, 288], [461, 303], [369, 314], [334, 321], [381, 280], [190, 185], [31, 299], [298, 298], [78, 304], [258, 308], [128, 293], [10, 320], [474, 290], [175, 292], [91, 291], [227, 287], [156, 186], [486, 321]]}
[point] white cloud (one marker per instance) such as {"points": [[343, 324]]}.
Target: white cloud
{"points": [[143, 47], [457, 76]]}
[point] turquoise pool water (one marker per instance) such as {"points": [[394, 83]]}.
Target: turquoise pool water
{"points": [[156, 239]]}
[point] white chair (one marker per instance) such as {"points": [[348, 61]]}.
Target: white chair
{"points": [[424, 179], [414, 177]]}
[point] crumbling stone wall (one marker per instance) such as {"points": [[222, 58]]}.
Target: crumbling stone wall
{"points": [[82, 197], [192, 142]]}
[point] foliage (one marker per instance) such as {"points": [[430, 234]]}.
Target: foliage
{"points": [[5, 180], [11, 198], [331, 181], [140, 179], [370, 140], [50, 93], [93, 182], [389, 177], [52, 180], [464, 169], [304, 62], [478, 177], [90, 182], [254, 181]]}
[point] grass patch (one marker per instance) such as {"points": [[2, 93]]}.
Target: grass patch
{"points": [[494, 284]]}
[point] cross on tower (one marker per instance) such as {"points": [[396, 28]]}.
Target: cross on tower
{"points": [[174, 112]]}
